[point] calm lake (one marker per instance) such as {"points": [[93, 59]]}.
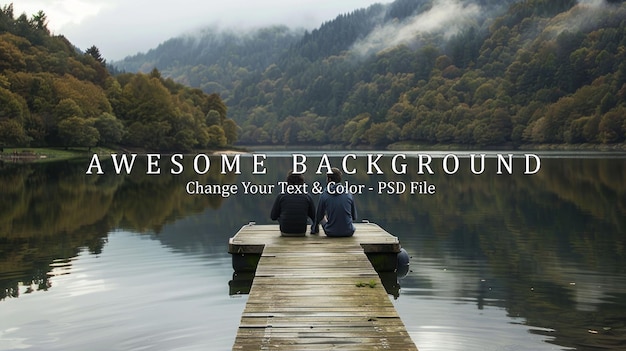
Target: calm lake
{"points": [[134, 262]]}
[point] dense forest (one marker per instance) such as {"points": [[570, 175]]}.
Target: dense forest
{"points": [[52, 94], [474, 72]]}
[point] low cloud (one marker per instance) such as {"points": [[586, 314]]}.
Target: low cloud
{"points": [[587, 15], [591, 3], [445, 17]]}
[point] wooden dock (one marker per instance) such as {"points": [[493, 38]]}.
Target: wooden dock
{"points": [[318, 293]]}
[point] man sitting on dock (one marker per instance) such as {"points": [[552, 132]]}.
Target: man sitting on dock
{"points": [[292, 210], [336, 209]]}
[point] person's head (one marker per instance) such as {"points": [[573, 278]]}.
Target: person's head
{"points": [[295, 179], [335, 176]]}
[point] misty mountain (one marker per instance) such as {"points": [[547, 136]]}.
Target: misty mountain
{"points": [[214, 59], [365, 31], [475, 72]]}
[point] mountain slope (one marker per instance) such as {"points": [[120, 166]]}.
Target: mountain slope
{"points": [[214, 60], [448, 71]]}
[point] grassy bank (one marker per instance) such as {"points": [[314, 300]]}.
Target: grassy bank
{"points": [[33, 154]]}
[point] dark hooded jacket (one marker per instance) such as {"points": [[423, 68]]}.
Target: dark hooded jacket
{"points": [[292, 211]]}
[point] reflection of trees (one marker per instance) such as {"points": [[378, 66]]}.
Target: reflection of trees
{"points": [[570, 202], [528, 229], [52, 211]]}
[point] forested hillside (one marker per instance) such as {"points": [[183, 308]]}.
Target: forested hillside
{"points": [[214, 60], [51, 94], [419, 71]]}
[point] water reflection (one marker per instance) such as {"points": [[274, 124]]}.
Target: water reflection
{"points": [[137, 294], [493, 256]]}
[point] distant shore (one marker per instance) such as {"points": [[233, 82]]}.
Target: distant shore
{"points": [[621, 147], [523, 147]]}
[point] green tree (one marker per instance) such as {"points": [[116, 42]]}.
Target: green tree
{"points": [[484, 92], [110, 129], [381, 134], [11, 57], [230, 131], [145, 99], [217, 138], [10, 106], [445, 133], [67, 108], [576, 134], [610, 129], [78, 132], [214, 102], [590, 131], [185, 140], [354, 129], [40, 21], [12, 133], [35, 129], [90, 97], [213, 118], [94, 52]]}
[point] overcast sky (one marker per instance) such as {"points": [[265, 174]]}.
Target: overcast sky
{"points": [[120, 27]]}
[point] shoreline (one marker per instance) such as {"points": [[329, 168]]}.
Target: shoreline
{"points": [[621, 147], [32, 154]]}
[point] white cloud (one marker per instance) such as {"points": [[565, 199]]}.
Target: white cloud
{"points": [[446, 16], [61, 13], [591, 3]]}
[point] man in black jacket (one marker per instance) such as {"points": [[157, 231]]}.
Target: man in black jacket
{"points": [[292, 209]]}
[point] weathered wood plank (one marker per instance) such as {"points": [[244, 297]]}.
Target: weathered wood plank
{"points": [[309, 321], [336, 312], [372, 343], [311, 291], [318, 293], [268, 281]]}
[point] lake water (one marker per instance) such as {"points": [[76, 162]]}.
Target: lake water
{"points": [[133, 262]]}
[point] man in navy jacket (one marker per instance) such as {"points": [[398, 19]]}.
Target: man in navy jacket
{"points": [[336, 209]]}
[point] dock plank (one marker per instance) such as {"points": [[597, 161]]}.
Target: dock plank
{"points": [[318, 293]]}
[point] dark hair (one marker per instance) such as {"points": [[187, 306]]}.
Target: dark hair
{"points": [[295, 179], [335, 176]]}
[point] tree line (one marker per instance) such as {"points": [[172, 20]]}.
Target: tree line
{"points": [[52, 94]]}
